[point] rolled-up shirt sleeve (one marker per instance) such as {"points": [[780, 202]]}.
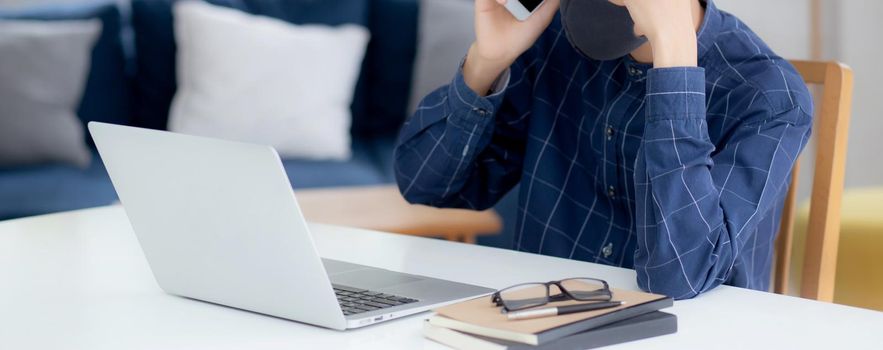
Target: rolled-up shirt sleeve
{"points": [[697, 207]]}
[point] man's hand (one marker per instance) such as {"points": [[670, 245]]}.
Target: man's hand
{"points": [[500, 39], [670, 27]]}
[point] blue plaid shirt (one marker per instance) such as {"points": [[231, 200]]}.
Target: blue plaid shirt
{"points": [[679, 173]]}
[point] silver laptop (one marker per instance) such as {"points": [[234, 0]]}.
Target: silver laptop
{"points": [[218, 222]]}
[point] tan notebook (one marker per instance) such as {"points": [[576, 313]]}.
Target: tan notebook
{"points": [[481, 317]]}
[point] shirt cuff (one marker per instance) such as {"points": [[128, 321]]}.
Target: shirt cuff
{"points": [[499, 86], [462, 96], [676, 93]]}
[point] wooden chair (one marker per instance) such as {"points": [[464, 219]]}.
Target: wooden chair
{"points": [[823, 233]]}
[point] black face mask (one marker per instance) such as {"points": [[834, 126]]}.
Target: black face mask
{"points": [[599, 29]]}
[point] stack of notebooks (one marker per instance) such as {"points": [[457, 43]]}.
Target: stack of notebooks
{"points": [[478, 324]]}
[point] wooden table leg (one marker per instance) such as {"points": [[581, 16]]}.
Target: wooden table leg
{"points": [[452, 237], [470, 238]]}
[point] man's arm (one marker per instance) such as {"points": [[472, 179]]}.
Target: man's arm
{"points": [[463, 147], [462, 150], [696, 213]]}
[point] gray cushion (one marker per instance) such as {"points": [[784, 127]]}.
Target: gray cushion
{"points": [[43, 70], [445, 32]]}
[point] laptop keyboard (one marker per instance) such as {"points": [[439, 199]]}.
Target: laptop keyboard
{"points": [[355, 301]]}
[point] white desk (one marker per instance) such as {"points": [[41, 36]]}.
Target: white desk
{"points": [[79, 281]]}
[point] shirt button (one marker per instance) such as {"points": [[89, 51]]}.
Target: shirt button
{"points": [[480, 111], [610, 132], [611, 192], [607, 251]]}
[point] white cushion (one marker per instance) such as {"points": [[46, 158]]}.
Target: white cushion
{"points": [[262, 80]]}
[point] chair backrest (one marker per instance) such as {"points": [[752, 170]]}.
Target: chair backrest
{"points": [[823, 232]]}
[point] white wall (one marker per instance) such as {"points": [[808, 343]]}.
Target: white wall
{"points": [[861, 47], [786, 34]]}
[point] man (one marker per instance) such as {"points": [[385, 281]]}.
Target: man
{"points": [[672, 158]]}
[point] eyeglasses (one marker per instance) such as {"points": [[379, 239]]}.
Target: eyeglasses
{"points": [[529, 295]]}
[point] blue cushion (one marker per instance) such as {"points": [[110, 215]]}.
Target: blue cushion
{"points": [[154, 42], [382, 103], [360, 170], [381, 149], [46, 189], [107, 94]]}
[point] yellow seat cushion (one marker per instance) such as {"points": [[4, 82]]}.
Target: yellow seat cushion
{"points": [[859, 279]]}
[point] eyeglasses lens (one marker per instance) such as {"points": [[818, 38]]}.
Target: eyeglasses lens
{"points": [[524, 296], [586, 289]]}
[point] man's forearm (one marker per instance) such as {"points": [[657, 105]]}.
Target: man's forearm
{"points": [[670, 26], [437, 157], [480, 74], [675, 50]]}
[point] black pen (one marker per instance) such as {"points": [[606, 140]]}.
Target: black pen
{"points": [[561, 310]]}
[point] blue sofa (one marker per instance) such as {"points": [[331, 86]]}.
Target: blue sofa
{"points": [[132, 82]]}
